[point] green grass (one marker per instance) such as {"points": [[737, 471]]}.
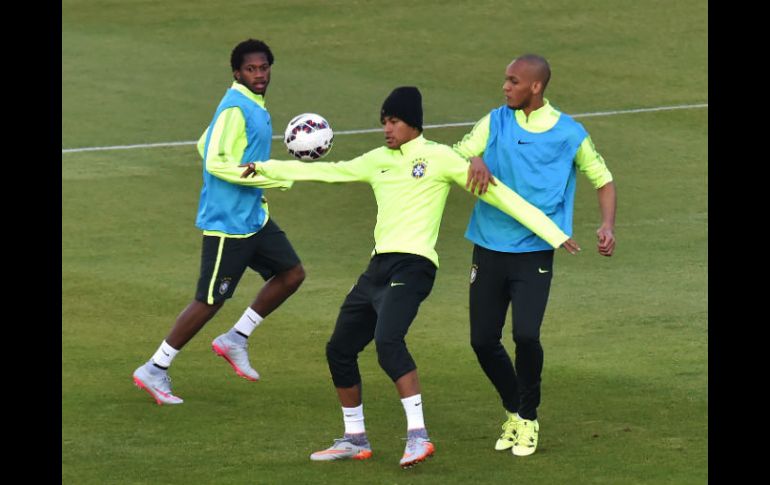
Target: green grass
{"points": [[626, 376]]}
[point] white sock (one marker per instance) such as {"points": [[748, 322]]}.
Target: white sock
{"points": [[164, 355], [354, 419], [248, 322], [413, 409]]}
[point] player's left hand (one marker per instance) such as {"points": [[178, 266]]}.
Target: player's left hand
{"points": [[571, 246], [606, 241], [479, 176]]}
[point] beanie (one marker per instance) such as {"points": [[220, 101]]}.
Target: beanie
{"points": [[405, 103]]}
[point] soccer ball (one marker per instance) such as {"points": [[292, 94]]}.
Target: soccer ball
{"points": [[308, 136]]}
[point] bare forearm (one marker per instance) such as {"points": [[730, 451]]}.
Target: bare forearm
{"points": [[606, 233], [607, 204]]}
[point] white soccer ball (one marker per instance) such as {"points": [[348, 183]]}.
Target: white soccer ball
{"points": [[308, 136]]}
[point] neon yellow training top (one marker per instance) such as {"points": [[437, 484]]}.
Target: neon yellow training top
{"points": [[411, 185]]}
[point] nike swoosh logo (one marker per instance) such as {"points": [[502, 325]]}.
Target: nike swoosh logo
{"points": [[165, 394], [252, 320], [418, 403], [541, 270], [393, 283], [524, 142], [383, 171], [164, 352]]}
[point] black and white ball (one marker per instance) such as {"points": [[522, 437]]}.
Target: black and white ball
{"points": [[308, 136]]}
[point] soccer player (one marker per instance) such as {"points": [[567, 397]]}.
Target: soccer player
{"points": [[237, 229], [410, 177], [533, 148]]}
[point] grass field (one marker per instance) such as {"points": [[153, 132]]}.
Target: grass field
{"points": [[626, 375]]}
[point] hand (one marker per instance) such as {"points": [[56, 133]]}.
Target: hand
{"points": [[606, 241], [479, 176], [571, 246], [250, 170]]}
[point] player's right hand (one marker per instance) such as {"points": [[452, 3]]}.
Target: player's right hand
{"points": [[606, 241], [250, 170], [479, 176]]}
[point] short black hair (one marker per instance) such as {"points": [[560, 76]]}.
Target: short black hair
{"points": [[247, 47], [541, 65]]}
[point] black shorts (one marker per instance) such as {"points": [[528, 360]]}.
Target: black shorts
{"points": [[224, 259]]}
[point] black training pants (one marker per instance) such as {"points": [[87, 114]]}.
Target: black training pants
{"points": [[522, 280]]}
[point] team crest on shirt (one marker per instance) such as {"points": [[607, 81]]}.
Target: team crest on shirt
{"points": [[224, 285], [419, 166], [474, 271]]}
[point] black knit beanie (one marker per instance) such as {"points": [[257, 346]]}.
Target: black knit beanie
{"points": [[405, 103]]}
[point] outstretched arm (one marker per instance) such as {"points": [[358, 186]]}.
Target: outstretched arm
{"points": [[508, 201], [356, 170], [225, 151]]}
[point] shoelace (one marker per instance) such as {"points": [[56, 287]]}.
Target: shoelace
{"points": [[238, 347], [165, 382], [526, 434], [413, 444], [509, 427]]}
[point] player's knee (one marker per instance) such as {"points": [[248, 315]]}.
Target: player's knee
{"points": [[526, 339], [295, 276], [342, 365], [484, 343], [485, 347], [332, 353], [338, 357], [394, 358]]}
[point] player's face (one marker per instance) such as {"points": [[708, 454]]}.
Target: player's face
{"points": [[518, 85], [254, 72], [398, 132]]}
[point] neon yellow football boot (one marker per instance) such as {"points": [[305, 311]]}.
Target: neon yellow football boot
{"points": [[526, 438], [509, 432]]}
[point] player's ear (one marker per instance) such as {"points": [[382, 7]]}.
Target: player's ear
{"points": [[536, 87]]}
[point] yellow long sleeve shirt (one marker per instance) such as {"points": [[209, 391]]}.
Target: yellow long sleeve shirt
{"points": [[411, 185]]}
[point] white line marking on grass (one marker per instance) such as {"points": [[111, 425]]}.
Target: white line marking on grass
{"points": [[375, 130]]}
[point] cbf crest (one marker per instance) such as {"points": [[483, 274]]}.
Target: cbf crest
{"points": [[419, 167], [224, 286]]}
